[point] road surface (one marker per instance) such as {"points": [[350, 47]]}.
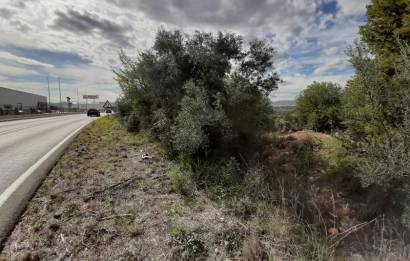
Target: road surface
{"points": [[24, 142]]}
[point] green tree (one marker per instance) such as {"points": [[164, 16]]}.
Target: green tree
{"points": [[187, 93], [387, 21], [378, 102], [319, 106]]}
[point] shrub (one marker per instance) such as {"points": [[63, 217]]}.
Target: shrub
{"points": [[180, 180], [190, 242], [231, 240], [194, 120], [249, 114], [186, 91], [133, 122], [319, 107], [124, 107], [385, 166], [375, 101], [224, 174]]}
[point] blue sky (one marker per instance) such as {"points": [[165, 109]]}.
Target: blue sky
{"points": [[79, 41]]}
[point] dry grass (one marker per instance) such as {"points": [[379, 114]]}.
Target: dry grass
{"points": [[112, 196], [109, 198]]}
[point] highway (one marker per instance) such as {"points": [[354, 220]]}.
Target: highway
{"points": [[24, 142]]}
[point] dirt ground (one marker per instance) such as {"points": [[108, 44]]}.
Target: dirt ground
{"points": [[109, 198]]}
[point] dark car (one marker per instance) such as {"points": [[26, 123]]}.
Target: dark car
{"points": [[93, 112]]}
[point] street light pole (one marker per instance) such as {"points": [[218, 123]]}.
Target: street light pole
{"points": [[49, 99], [78, 101], [59, 89]]}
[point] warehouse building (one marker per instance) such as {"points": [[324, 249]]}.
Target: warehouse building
{"points": [[18, 101]]}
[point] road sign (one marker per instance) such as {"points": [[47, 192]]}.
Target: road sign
{"points": [[107, 105], [91, 97]]}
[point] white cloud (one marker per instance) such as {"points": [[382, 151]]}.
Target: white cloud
{"points": [[292, 21], [331, 66], [8, 70], [353, 7], [23, 60]]}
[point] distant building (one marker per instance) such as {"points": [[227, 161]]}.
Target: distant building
{"points": [[22, 101]]}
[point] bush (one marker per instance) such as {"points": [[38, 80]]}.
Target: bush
{"points": [[190, 242], [319, 107], [133, 122], [180, 180], [385, 166], [375, 101], [186, 92], [194, 120], [124, 107]]}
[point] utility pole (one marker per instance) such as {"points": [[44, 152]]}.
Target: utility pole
{"points": [[86, 100], [49, 99], [78, 101], [59, 89]]}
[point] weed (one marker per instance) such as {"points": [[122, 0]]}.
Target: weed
{"points": [[306, 162], [338, 156], [34, 239], [194, 204], [123, 221], [136, 139], [180, 181], [243, 208], [142, 185], [71, 209], [172, 208], [262, 209], [106, 121], [175, 208], [315, 247], [253, 250], [231, 240], [135, 230], [190, 242], [46, 187], [224, 193]]}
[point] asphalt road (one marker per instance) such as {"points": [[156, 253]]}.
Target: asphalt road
{"points": [[24, 142]]}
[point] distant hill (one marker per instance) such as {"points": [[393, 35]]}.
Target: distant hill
{"points": [[284, 103]]}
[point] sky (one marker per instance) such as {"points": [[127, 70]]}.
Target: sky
{"points": [[78, 41]]}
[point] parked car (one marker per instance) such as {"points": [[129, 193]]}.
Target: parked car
{"points": [[93, 112]]}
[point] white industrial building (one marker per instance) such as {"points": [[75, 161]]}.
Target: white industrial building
{"points": [[11, 100]]}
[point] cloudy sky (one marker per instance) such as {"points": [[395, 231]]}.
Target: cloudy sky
{"points": [[79, 40]]}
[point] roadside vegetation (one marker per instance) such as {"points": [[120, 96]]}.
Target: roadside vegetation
{"points": [[197, 165], [337, 164]]}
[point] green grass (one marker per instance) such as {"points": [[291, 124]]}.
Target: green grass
{"points": [[136, 139], [180, 181]]}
